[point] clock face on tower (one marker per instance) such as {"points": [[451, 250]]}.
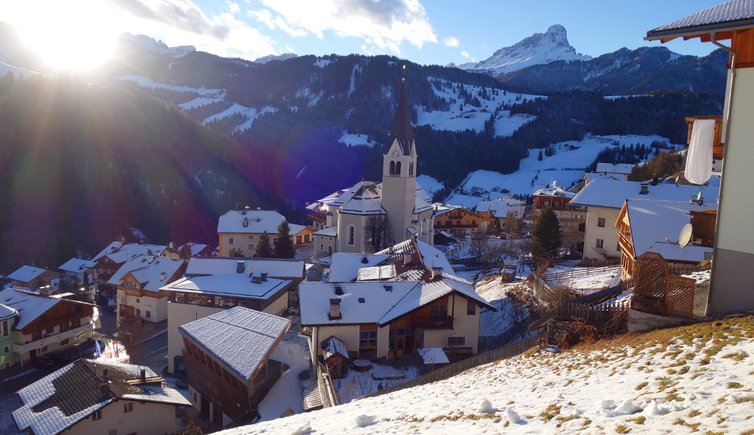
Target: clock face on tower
{"points": [[395, 154]]}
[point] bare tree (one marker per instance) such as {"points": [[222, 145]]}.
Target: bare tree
{"points": [[378, 232]]}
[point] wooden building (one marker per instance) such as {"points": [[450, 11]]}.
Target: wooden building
{"points": [[228, 363], [460, 221], [335, 354]]}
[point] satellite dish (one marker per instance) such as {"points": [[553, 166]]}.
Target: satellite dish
{"points": [[685, 237]]}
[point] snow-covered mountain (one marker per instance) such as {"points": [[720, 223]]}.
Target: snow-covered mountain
{"points": [[271, 57], [537, 49], [144, 42]]}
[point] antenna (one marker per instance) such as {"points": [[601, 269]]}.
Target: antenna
{"points": [[685, 237]]}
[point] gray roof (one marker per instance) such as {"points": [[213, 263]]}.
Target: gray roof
{"points": [[274, 268], [612, 193], [29, 305], [239, 338], [70, 394], [735, 14]]}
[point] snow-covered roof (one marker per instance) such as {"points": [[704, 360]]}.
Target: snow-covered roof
{"points": [[656, 225], [328, 232], [70, 394], [7, 312], [196, 248], [431, 256], [344, 266], [250, 221], [77, 265], [433, 355], [29, 305], [595, 175], [333, 346], [615, 168], [422, 201], [153, 272], [284, 269], [26, 273], [440, 208], [119, 252], [553, 191], [502, 206], [732, 15], [612, 193], [366, 198], [235, 284], [296, 228], [376, 273], [377, 302], [239, 338]]}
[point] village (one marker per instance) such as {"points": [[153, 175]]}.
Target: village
{"points": [[381, 289]]}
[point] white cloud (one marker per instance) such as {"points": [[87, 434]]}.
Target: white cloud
{"points": [[451, 41], [468, 56], [383, 25], [233, 7]]}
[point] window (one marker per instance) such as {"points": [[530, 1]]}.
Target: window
{"points": [[149, 314], [600, 243], [470, 308], [64, 342], [397, 168], [351, 235], [601, 222], [456, 341], [411, 168], [6, 349], [392, 167], [44, 349], [113, 432], [438, 311], [97, 415], [5, 328], [50, 330], [128, 407], [230, 240], [367, 339]]}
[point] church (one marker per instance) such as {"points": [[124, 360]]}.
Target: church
{"points": [[370, 216]]}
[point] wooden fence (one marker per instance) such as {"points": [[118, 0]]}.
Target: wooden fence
{"points": [[560, 277], [599, 313], [453, 369]]}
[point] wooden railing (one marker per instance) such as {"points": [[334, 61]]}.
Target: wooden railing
{"points": [[434, 323]]}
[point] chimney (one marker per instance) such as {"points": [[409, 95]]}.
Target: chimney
{"points": [[407, 258], [256, 279], [104, 389], [143, 374], [644, 189], [436, 272], [245, 209], [162, 276], [334, 313], [240, 266], [263, 276], [339, 290], [245, 222]]}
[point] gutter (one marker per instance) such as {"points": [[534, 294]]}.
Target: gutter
{"points": [[726, 132]]}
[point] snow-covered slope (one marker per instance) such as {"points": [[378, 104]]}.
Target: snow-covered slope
{"points": [[566, 167], [681, 380], [537, 49], [144, 42]]}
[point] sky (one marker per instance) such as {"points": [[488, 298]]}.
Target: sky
{"points": [[80, 32]]}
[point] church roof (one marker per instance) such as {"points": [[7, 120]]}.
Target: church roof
{"points": [[365, 198], [401, 128]]}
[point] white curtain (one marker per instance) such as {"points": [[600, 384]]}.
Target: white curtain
{"points": [[699, 156]]}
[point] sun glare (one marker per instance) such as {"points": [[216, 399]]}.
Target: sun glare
{"points": [[69, 35]]}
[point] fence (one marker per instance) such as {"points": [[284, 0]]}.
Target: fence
{"points": [[591, 313], [559, 277], [453, 369]]}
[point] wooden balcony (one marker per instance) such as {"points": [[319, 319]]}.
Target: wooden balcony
{"points": [[434, 323], [717, 144]]}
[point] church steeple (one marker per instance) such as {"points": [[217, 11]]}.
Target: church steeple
{"points": [[401, 128]]}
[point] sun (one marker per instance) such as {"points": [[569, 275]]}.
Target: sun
{"points": [[68, 35]]}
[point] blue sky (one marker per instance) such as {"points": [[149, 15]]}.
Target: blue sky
{"points": [[426, 31]]}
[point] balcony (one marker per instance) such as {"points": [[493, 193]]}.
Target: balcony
{"points": [[71, 334], [717, 144], [434, 323]]}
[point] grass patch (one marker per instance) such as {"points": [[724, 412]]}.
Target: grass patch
{"points": [[734, 385], [683, 370], [639, 420], [736, 356], [641, 386], [550, 412], [622, 429], [694, 412]]}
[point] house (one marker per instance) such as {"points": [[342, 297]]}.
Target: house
{"points": [[732, 282], [78, 275], [646, 225], [8, 317], [370, 215], [460, 221], [138, 284], [239, 231], [618, 170], [228, 363], [603, 200], [570, 215], [35, 278], [502, 208], [344, 266], [188, 250], [43, 324], [325, 241], [214, 284], [111, 258], [393, 318], [90, 396]]}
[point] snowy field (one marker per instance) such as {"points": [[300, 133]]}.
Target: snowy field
{"points": [[462, 116], [566, 167], [504, 297], [582, 279], [352, 139], [681, 380]]}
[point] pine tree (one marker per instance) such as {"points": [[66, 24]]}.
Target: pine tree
{"points": [[263, 249], [283, 244], [539, 157], [546, 237]]}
